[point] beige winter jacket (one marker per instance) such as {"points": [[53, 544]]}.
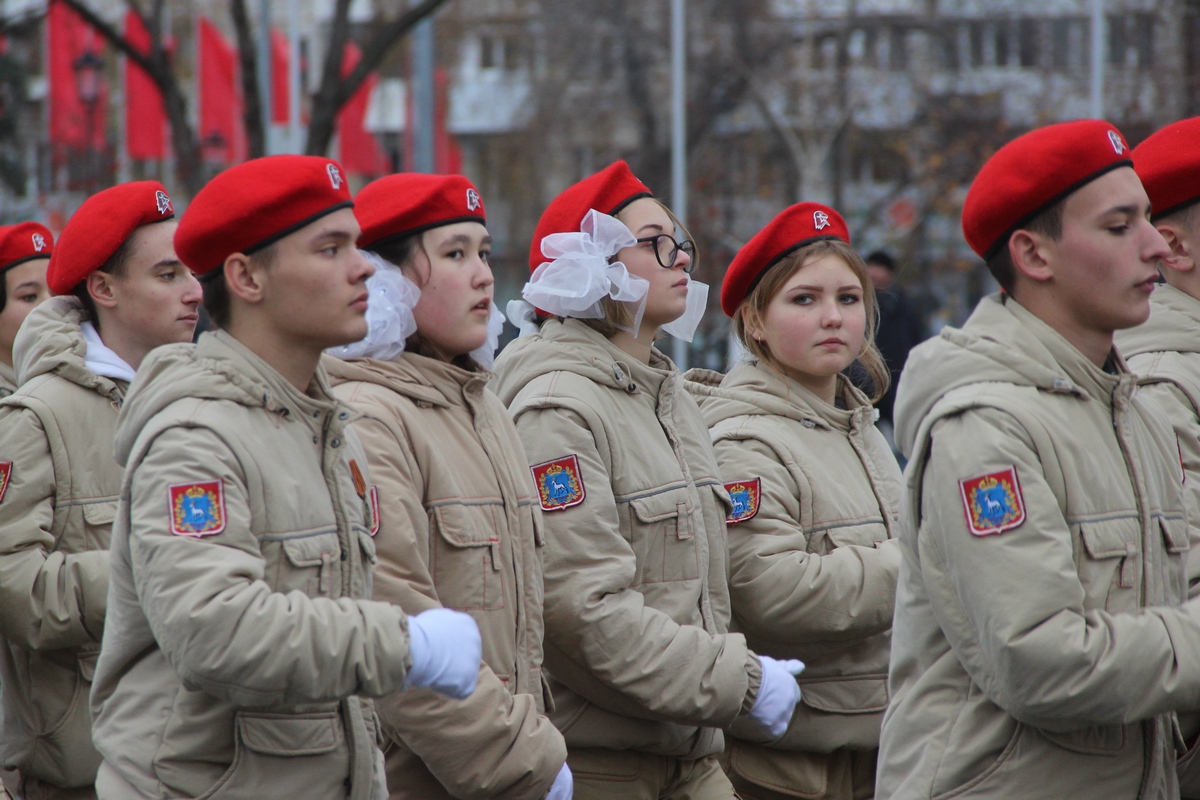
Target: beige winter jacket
{"points": [[812, 558], [237, 638], [1039, 646], [1165, 354], [637, 602], [462, 530], [58, 490], [8, 380]]}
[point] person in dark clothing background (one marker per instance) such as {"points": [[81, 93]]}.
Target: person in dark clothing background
{"points": [[901, 327]]}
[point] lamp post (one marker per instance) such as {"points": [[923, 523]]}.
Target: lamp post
{"points": [[88, 75]]}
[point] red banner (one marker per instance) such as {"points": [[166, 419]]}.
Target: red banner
{"points": [[222, 129], [281, 105], [76, 121], [145, 118], [359, 150]]}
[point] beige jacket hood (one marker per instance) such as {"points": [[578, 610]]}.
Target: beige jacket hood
{"points": [[637, 602], [8, 380], [55, 520], [463, 530], [1040, 644]]}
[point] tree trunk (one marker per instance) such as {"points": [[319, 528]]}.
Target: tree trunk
{"points": [[335, 90], [158, 67], [256, 138]]}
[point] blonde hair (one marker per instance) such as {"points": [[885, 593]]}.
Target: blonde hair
{"points": [[617, 316], [752, 311]]}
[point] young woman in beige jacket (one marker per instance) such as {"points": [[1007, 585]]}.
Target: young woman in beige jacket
{"points": [[815, 493], [460, 525], [644, 671]]}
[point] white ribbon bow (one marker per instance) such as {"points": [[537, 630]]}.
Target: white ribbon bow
{"points": [[578, 276], [390, 321]]}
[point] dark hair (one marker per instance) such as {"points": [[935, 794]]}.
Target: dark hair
{"points": [[3, 290], [216, 290], [402, 251], [883, 259], [1048, 223], [116, 266]]}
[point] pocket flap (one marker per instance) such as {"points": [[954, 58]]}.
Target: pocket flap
{"points": [[1107, 539], [368, 546], [1175, 534], [312, 551], [464, 526], [100, 513], [291, 734], [866, 695], [660, 506]]}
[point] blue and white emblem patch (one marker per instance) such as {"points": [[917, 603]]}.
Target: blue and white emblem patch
{"points": [[993, 503]]}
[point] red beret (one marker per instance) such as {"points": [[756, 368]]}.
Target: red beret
{"points": [[255, 204], [411, 202], [794, 227], [1169, 165], [100, 226], [1032, 173], [608, 191], [24, 242]]}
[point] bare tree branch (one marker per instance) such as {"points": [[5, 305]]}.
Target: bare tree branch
{"points": [[252, 112]]}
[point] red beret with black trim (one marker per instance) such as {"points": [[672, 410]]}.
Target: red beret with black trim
{"points": [[412, 202], [23, 242], [1168, 163], [255, 204], [100, 226], [1033, 172], [792, 228], [608, 191]]}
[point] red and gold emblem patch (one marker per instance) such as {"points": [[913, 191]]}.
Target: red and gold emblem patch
{"points": [[5, 474], [993, 503], [373, 507], [559, 483], [745, 496], [197, 509]]}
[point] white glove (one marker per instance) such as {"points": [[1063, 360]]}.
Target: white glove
{"points": [[563, 785], [777, 695], [446, 650]]}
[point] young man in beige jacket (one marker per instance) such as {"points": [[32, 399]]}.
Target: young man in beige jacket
{"points": [[1043, 637], [1165, 350], [240, 647], [75, 356], [25, 251]]}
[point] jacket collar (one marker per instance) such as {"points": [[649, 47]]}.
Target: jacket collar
{"points": [[421, 379]]}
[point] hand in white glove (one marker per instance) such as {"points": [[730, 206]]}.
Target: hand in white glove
{"points": [[778, 695], [446, 651], [563, 785]]}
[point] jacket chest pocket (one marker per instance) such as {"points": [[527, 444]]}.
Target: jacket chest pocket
{"points": [[868, 534], [465, 555], [311, 564], [1110, 564], [663, 535], [1177, 544], [97, 528]]}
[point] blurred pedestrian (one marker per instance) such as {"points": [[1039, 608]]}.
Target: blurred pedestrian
{"points": [[24, 255], [901, 328]]}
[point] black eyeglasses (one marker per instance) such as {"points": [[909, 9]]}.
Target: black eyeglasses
{"points": [[666, 249]]}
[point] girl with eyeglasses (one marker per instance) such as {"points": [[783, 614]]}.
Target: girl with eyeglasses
{"points": [[816, 495], [643, 670]]}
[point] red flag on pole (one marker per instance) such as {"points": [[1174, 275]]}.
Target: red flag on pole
{"points": [[447, 156], [359, 150], [222, 129], [281, 105], [145, 118], [78, 93]]}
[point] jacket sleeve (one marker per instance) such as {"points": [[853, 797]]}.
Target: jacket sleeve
{"points": [[223, 629], [48, 599], [650, 666], [1175, 406], [781, 591], [1012, 604], [492, 744]]}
